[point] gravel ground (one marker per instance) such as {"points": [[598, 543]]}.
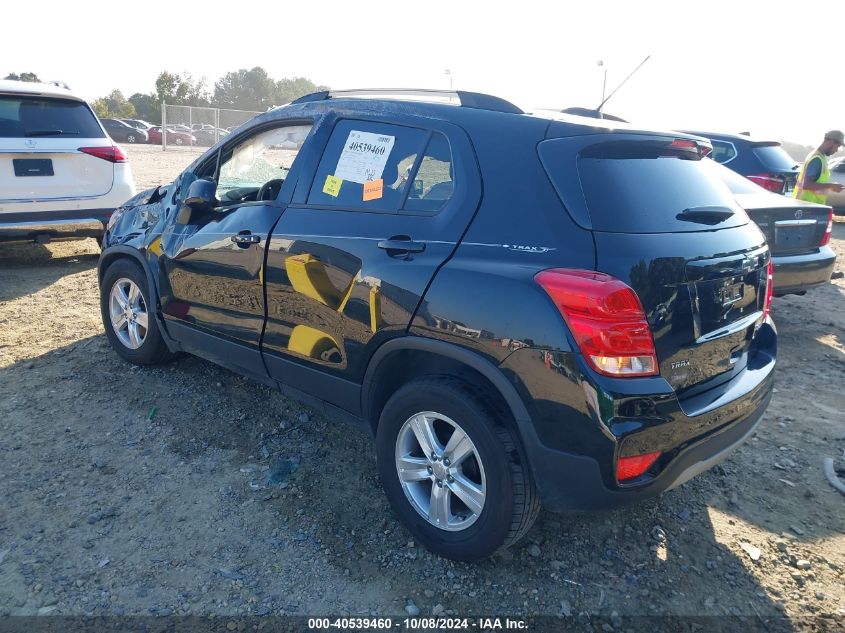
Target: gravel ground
{"points": [[186, 489]]}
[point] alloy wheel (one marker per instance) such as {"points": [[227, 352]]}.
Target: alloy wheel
{"points": [[128, 313], [440, 471]]}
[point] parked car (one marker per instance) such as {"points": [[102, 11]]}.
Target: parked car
{"points": [[60, 175], [123, 132], [837, 174], [591, 331], [138, 123], [173, 136], [208, 137], [798, 233], [763, 162]]}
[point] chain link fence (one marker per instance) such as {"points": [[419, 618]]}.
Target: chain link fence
{"points": [[194, 128]]}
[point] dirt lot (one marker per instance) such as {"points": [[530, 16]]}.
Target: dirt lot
{"points": [[143, 491]]}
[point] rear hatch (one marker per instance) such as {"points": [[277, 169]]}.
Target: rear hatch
{"points": [[669, 227], [780, 171], [791, 226], [40, 138]]}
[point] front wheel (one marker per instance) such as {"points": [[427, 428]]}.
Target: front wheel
{"points": [[452, 471], [130, 138], [178, 141], [127, 308]]}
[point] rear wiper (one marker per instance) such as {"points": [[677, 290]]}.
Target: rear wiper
{"points": [[49, 132]]}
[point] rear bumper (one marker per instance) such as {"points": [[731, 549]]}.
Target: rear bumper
{"points": [[693, 435], [797, 273], [45, 226]]}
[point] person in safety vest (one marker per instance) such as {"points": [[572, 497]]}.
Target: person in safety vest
{"points": [[813, 180]]}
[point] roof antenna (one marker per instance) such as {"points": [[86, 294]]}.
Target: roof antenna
{"points": [[622, 84]]}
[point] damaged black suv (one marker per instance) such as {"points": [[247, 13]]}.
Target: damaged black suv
{"points": [[523, 309]]}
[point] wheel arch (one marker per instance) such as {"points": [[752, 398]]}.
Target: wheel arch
{"points": [[113, 254], [407, 358]]}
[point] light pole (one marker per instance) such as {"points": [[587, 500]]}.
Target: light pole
{"points": [[603, 85]]}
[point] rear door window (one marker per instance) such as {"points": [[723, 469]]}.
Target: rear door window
{"points": [[367, 166], [33, 117], [641, 187]]}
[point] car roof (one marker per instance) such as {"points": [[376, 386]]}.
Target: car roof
{"points": [[729, 137], [464, 115], [9, 86]]}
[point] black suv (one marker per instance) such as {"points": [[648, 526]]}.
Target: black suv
{"points": [[523, 310]]}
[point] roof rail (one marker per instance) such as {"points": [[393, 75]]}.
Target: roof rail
{"points": [[476, 100]]}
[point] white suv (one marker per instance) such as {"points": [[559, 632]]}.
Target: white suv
{"points": [[61, 176]]}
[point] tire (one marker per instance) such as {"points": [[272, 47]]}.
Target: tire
{"points": [[495, 467], [146, 347], [178, 141], [130, 138]]}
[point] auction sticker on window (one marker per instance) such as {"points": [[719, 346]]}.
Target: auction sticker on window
{"points": [[373, 189], [332, 185], [364, 156]]}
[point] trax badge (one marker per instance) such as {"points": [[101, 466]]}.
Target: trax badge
{"points": [[680, 363]]}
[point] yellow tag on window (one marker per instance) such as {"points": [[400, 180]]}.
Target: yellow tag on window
{"points": [[332, 185], [373, 189]]}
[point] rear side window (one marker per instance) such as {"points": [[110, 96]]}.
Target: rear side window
{"points": [[774, 157], [722, 151], [637, 187], [367, 166], [46, 118], [432, 185]]}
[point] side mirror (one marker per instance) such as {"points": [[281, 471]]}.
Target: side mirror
{"points": [[200, 198], [200, 195]]}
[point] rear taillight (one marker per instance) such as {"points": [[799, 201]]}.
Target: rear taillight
{"points": [[606, 319], [628, 468], [112, 153], [769, 182], [829, 230], [767, 305]]}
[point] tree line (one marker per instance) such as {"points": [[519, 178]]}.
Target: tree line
{"points": [[243, 89]]}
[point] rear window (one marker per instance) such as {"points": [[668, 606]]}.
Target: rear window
{"points": [[774, 157], [636, 187], [47, 118]]}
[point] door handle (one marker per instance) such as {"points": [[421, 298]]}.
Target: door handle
{"points": [[245, 238], [401, 245]]}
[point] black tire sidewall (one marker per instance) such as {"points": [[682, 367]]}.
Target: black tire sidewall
{"points": [[150, 350], [490, 530]]}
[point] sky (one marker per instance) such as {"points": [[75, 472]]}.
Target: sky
{"points": [[771, 68]]}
